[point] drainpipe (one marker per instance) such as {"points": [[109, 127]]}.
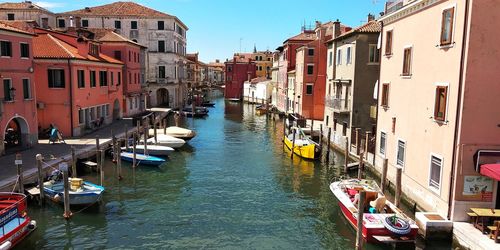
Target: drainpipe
{"points": [[378, 87], [70, 96], [458, 113]]}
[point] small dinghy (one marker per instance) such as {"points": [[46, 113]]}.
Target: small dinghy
{"points": [[177, 132], [80, 193], [167, 140], [142, 159], [152, 150], [14, 220]]}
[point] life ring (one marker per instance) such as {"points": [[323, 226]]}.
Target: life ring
{"points": [[397, 225]]}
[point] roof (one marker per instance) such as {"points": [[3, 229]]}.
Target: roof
{"points": [[47, 46], [6, 25], [369, 27], [108, 35], [259, 79], [121, 9], [303, 36], [27, 5]]}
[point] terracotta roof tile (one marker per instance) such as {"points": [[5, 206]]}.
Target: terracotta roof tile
{"points": [[7, 25], [369, 27], [119, 9], [108, 35], [21, 6]]}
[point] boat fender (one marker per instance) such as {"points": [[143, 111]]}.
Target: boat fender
{"points": [[6, 245], [57, 198], [397, 225], [32, 225]]}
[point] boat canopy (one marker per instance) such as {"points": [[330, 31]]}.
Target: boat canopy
{"points": [[491, 170]]}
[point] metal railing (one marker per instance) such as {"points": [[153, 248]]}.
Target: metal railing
{"points": [[338, 104], [393, 5]]}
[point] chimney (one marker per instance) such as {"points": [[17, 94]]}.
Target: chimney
{"points": [[318, 24], [370, 17], [217, 61], [336, 28], [87, 9], [82, 46], [71, 21]]}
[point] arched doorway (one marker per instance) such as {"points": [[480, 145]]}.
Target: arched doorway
{"points": [[16, 134], [116, 110], [162, 98]]}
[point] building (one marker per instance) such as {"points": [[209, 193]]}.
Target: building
{"points": [[216, 73], [164, 35], [353, 64], [27, 11], [238, 70], [437, 103], [263, 63], [276, 81], [78, 88], [18, 117], [257, 90]]}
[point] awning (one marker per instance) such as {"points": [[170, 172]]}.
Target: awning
{"points": [[491, 170]]}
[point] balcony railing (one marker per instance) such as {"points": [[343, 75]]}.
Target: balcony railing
{"points": [[393, 5], [337, 104]]}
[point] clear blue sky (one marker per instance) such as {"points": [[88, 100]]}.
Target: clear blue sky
{"points": [[216, 26]]}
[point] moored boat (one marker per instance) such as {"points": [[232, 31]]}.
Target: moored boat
{"points": [[152, 149], [181, 133], [303, 146], [142, 159], [197, 112], [80, 193], [14, 220], [207, 104], [167, 140], [260, 110], [382, 220]]}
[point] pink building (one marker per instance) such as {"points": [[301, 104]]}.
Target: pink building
{"points": [[78, 88], [18, 123], [438, 103], [238, 70]]}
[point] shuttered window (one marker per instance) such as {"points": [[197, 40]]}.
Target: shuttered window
{"points": [[388, 42], [407, 62]]}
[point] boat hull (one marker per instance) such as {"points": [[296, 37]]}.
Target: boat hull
{"points": [[56, 193], [152, 150], [307, 152], [14, 222], [143, 159], [166, 140]]}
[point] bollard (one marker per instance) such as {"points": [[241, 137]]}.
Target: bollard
{"points": [[19, 166], [73, 162], [134, 159], [64, 168], [293, 143], [361, 166], [346, 154], [39, 160], [397, 199], [384, 175], [101, 166], [359, 228]]}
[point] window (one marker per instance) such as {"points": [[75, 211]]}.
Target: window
{"points": [[385, 95], [118, 55], [348, 54], [94, 49], [339, 57], [131, 103], [25, 50], [133, 25], [435, 172], [310, 52], [440, 103], [400, 161], [26, 89], [383, 138], [407, 62], [81, 116], [447, 26], [161, 46], [229, 68], [310, 69], [130, 78], [7, 85], [92, 79], [81, 78], [388, 42], [85, 23], [61, 23], [45, 22], [112, 78], [374, 54], [103, 78], [161, 25], [330, 58], [56, 78], [118, 24], [161, 71], [5, 48], [107, 109], [137, 102], [309, 89], [119, 78], [10, 16]]}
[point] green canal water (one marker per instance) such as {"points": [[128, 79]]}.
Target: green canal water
{"points": [[232, 186]]}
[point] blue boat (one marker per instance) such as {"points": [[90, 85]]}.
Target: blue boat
{"points": [[142, 159], [80, 193]]}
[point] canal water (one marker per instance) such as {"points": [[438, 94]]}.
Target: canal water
{"points": [[232, 186]]}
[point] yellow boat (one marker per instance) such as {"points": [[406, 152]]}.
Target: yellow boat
{"points": [[304, 147]]}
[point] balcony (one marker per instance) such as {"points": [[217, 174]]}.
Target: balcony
{"points": [[338, 105], [393, 5]]}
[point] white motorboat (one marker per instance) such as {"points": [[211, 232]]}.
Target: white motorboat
{"points": [[152, 149], [177, 132], [167, 140]]}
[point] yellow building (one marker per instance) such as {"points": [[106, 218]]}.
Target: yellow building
{"points": [[264, 63]]}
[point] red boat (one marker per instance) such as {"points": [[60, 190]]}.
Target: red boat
{"points": [[382, 220], [14, 221]]}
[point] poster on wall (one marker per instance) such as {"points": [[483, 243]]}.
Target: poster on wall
{"points": [[478, 187]]}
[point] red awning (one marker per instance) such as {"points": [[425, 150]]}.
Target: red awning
{"points": [[491, 170]]}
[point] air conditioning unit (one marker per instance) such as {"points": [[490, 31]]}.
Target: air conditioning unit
{"points": [[40, 105]]}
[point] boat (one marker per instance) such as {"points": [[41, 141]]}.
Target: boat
{"points": [[208, 104], [234, 99], [80, 193], [303, 146], [152, 149], [14, 220], [197, 112], [142, 159], [382, 220], [181, 133], [167, 140], [260, 110]]}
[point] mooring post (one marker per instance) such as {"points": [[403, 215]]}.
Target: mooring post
{"points": [[113, 146], [139, 128], [359, 228], [357, 141], [328, 143], [293, 142], [64, 168], [119, 162], [312, 127], [19, 166], [383, 179], [97, 145], [73, 162], [397, 199], [165, 126], [367, 140], [321, 134], [346, 154], [126, 137], [361, 166], [155, 133], [39, 160], [134, 151], [102, 166], [146, 141]]}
